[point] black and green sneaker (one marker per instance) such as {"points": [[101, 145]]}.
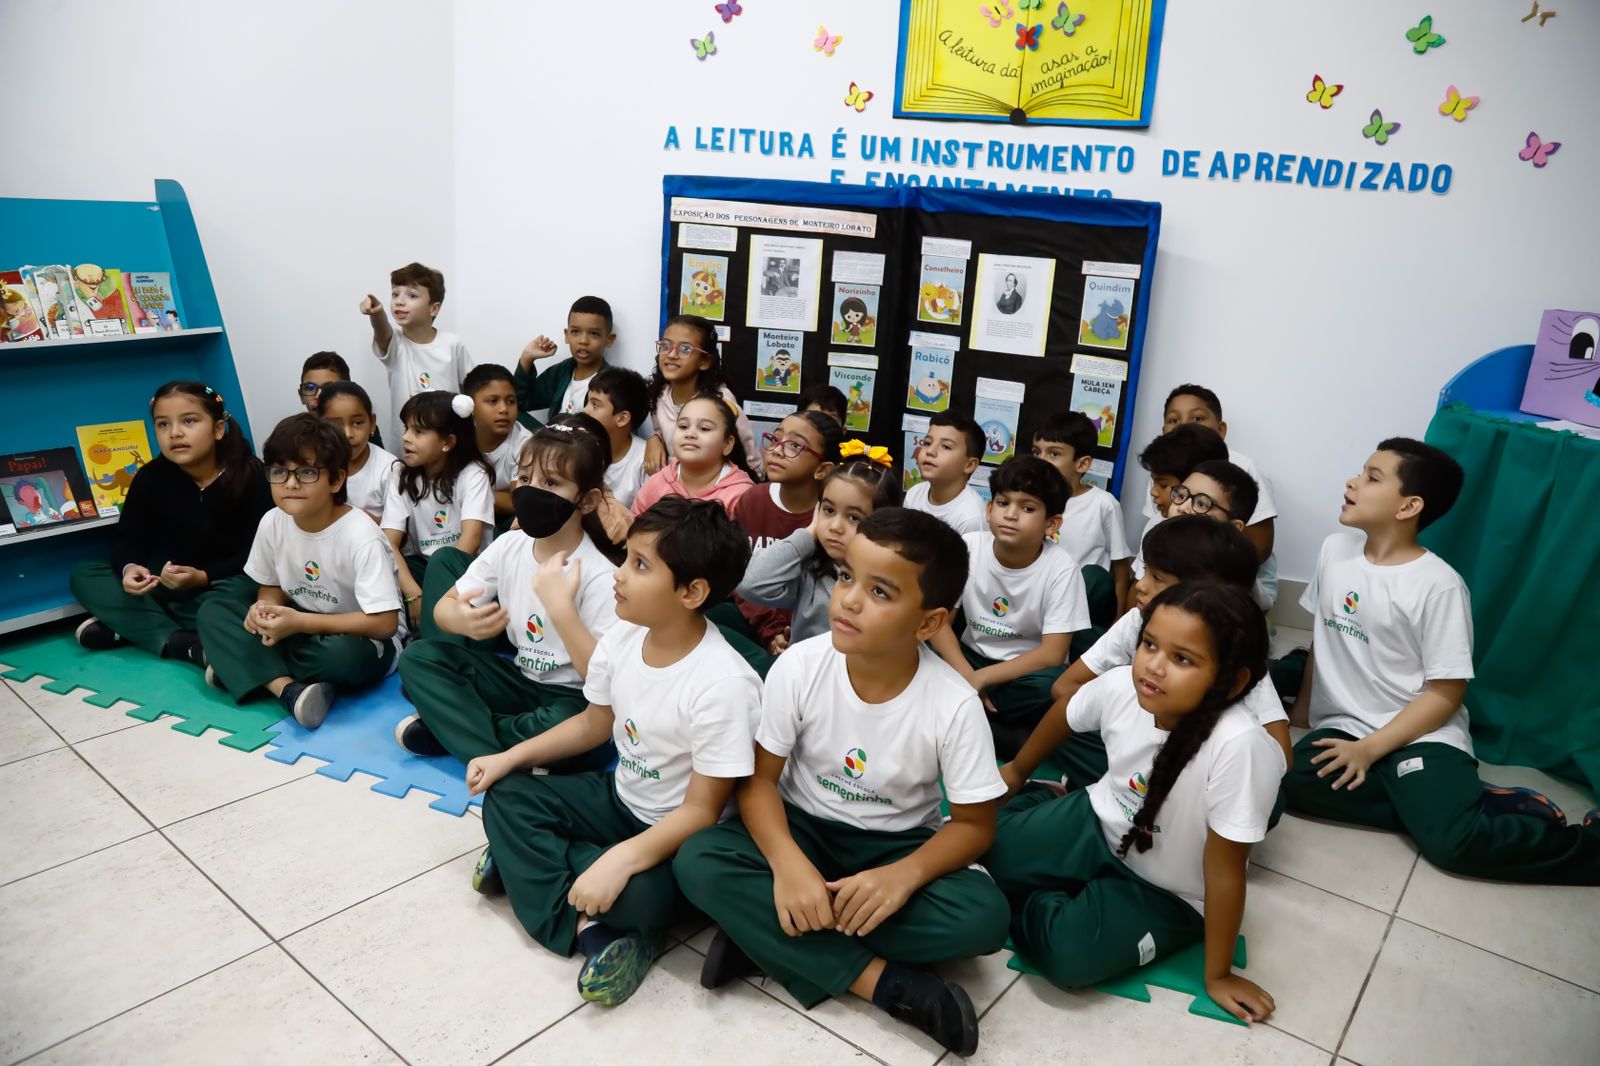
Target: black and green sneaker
{"points": [[615, 971], [486, 876]]}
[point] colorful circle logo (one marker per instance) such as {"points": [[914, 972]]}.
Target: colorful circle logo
{"points": [[631, 729], [1351, 601], [535, 629], [855, 762], [1001, 606], [1139, 784], [313, 571], [438, 519], [425, 380]]}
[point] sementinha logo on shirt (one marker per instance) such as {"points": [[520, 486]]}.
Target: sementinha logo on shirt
{"points": [[1001, 606], [439, 519], [631, 730], [1349, 626], [535, 629], [994, 627], [424, 380], [1130, 797], [313, 570], [851, 787], [635, 762], [537, 660]]}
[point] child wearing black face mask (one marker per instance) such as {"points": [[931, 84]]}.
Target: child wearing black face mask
{"points": [[547, 587]]}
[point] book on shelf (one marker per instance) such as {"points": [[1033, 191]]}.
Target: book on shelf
{"points": [[151, 307], [112, 453], [58, 306], [42, 489], [20, 316], [98, 291]]}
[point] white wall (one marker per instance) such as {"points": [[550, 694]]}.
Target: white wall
{"points": [[315, 141], [1326, 319]]}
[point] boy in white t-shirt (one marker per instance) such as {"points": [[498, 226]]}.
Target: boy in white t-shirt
{"points": [[1091, 522], [1391, 656], [587, 858], [619, 399], [328, 613], [500, 435], [419, 357], [1022, 602], [947, 458], [842, 876]]}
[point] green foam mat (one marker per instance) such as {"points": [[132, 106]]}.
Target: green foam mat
{"points": [[158, 687], [1182, 972]]}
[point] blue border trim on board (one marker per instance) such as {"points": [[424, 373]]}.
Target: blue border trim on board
{"points": [[1158, 18]]}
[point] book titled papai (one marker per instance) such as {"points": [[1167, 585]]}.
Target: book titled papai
{"points": [[150, 304], [43, 489]]}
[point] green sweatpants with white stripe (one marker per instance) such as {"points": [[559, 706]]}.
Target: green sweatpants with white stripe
{"points": [[723, 872], [1079, 914], [243, 664], [148, 621], [544, 831], [476, 703], [1018, 704], [1432, 792]]}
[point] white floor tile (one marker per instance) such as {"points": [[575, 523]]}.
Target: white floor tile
{"points": [[1436, 1000], [170, 775], [262, 1009], [432, 949], [69, 715], [1035, 1022], [1284, 922], [54, 809], [671, 1020], [1550, 928], [22, 732], [94, 937], [315, 846], [1367, 865]]}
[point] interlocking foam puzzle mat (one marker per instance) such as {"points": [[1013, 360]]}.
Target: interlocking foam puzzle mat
{"points": [[1182, 972], [358, 734]]}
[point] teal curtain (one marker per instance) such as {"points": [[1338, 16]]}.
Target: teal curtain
{"points": [[1525, 535]]}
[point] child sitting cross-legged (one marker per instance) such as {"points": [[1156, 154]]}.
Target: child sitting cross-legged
{"points": [[1022, 603], [947, 458], [1151, 858], [587, 858], [1091, 522], [327, 616], [842, 876]]}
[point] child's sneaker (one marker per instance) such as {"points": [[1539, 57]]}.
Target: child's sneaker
{"points": [[1592, 819], [940, 1008], [486, 875], [213, 680], [725, 961], [1516, 799], [95, 635], [307, 701], [615, 967], [413, 734], [184, 645]]}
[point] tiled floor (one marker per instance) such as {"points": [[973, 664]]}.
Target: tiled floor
{"points": [[166, 899]]}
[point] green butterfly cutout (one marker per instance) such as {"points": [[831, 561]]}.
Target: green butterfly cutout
{"points": [[704, 46], [1029, 5], [1423, 38], [1378, 129], [1065, 20]]}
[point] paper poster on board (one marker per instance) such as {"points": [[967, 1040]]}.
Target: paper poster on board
{"points": [[700, 290], [857, 384], [996, 409], [1107, 316], [928, 387], [779, 360], [1096, 392], [939, 298], [855, 314], [785, 279], [1011, 304], [912, 429]]}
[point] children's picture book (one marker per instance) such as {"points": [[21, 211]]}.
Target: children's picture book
{"points": [[20, 318], [58, 306], [701, 290], [996, 409], [99, 294], [939, 298], [112, 453], [779, 360], [1107, 316], [44, 488], [929, 384], [856, 384], [151, 307], [855, 314], [912, 429], [1564, 376], [1098, 398]]}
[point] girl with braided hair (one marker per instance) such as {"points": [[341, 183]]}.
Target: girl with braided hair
{"points": [[1151, 858]]}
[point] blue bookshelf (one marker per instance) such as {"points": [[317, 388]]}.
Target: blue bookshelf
{"points": [[53, 387]]}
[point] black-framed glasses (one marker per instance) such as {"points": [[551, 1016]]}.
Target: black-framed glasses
{"points": [[684, 348], [789, 449], [1203, 504], [305, 475], [310, 388]]}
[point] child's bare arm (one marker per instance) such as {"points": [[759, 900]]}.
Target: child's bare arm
{"points": [[1225, 866], [1122, 579], [1261, 535], [799, 892], [1052, 651], [948, 645], [382, 333], [1351, 759], [583, 732], [863, 901]]}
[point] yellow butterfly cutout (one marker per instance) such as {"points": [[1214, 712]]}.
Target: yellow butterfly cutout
{"points": [[1455, 105], [1322, 93], [857, 97]]}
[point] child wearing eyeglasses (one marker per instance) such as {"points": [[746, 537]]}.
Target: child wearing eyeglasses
{"points": [[328, 612], [688, 365]]}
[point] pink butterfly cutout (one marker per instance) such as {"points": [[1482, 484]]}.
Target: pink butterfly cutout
{"points": [[1537, 151], [997, 13], [730, 9], [826, 42]]}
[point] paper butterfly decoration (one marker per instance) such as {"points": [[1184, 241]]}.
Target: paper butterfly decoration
{"points": [[824, 43], [1422, 36], [1028, 36], [1455, 105], [857, 97], [707, 47], [1066, 21], [1378, 129], [1537, 151], [1029, 5], [1322, 93], [730, 9], [997, 13]]}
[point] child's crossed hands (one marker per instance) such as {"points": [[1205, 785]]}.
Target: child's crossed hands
{"points": [[802, 898], [481, 622]]}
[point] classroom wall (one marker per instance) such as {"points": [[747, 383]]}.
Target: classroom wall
{"points": [[315, 141]]}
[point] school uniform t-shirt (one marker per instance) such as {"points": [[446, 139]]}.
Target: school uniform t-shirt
{"points": [[875, 766], [367, 487], [505, 572], [1266, 590], [1116, 647], [967, 513], [698, 715], [504, 459], [430, 525], [345, 568], [1009, 611], [625, 475], [1228, 786], [1091, 529], [574, 399], [414, 368], [1381, 633]]}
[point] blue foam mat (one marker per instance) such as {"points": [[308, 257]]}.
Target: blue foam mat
{"points": [[358, 734]]}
